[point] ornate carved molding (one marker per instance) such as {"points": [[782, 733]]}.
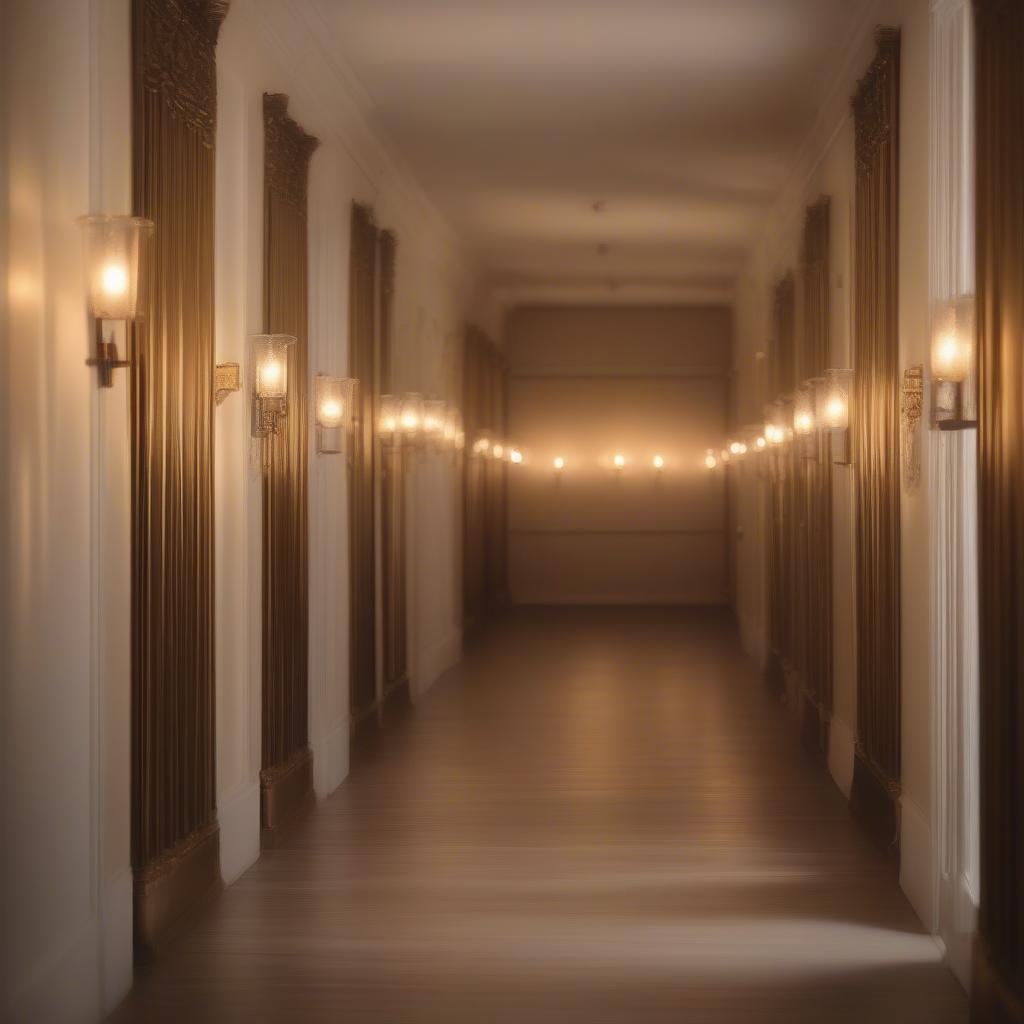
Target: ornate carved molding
{"points": [[287, 155], [872, 101], [175, 57]]}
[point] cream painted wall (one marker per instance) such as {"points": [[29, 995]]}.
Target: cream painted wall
{"points": [[435, 293], [64, 798], [585, 383], [826, 167]]}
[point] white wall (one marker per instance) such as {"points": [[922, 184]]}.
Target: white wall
{"points": [[826, 167], [435, 289], [64, 797]]}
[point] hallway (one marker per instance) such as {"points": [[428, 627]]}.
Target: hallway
{"points": [[596, 816]]}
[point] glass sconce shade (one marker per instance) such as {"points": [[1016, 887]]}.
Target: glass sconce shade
{"points": [[710, 459], [410, 417], [435, 414], [114, 252], [774, 423], [335, 401], [803, 410], [387, 416], [836, 393], [452, 426], [270, 359], [953, 340]]}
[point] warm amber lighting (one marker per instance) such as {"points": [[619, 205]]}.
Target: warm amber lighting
{"points": [[803, 409], [515, 456], [498, 451], [710, 460], [114, 250], [760, 443], [334, 401], [270, 356], [387, 418], [834, 400], [658, 462], [737, 449], [559, 463], [619, 461], [330, 413], [114, 280], [410, 418]]}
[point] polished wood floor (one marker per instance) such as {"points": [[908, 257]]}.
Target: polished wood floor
{"points": [[597, 817]]}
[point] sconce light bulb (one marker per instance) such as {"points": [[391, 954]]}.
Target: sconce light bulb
{"points": [[114, 279], [804, 423], [760, 443], [410, 421], [498, 451], [271, 372], [559, 464], [388, 424], [658, 462], [330, 412], [710, 461], [835, 410], [620, 461], [515, 456]]}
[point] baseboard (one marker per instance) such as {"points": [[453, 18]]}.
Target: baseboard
{"points": [[239, 816], [916, 862], [170, 888], [285, 791], [874, 801], [841, 746], [435, 661], [330, 758]]}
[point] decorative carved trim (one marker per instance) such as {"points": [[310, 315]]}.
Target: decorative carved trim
{"points": [[227, 378], [872, 99], [175, 57], [287, 154], [911, 400]]}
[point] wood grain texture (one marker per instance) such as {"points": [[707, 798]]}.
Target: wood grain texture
{"points": [[598, 816]]}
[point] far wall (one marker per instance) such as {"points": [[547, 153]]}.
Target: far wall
{"points": [[586, 383]]}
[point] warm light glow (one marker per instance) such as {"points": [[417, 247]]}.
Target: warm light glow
{"points": [[950, 357], [658, 462], [835, 411], [803, 422], [760, 443], [620, 461], [498, 451], [953, 340], [515, 456], [388, 423], [709, 460], [331, 411], [559, 463], [114, 280], [410, 421], [724, 455]]}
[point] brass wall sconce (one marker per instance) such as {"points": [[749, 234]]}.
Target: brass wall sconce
{"points": [[952, 364], [114, 252], [270, 381], [834, 394], [227, 379], [335, 403]]}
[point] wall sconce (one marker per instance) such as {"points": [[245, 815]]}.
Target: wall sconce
{"points": [[619, 462], [498, 451], [834, 395], [435, 415], [953, 334], [774, 430], [270, 389], [804, 419], [710, 459], [334, 398], [114, 251], [410, 417], [482, 444], [658, 463], [451, 428], [558, 463], [737, 449], [515, 456], [760, 443]]}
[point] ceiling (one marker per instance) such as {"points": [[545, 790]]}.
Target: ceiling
{"points": [[595, 143]]}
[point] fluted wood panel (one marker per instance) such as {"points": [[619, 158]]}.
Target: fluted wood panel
{"points": [[876, 437], [815, 485], [783, 617], [174, 831], [393, 583], [286, 777], [998, 989], [484, 558], [362, 531]]}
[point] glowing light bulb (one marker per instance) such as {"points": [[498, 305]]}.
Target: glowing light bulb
{"points": [[388, 424], [709, 460], [410, 421], [559, 463], [114, 280], [658, 462], [330, 412], [760, 443], [803, 423], [620, 461], [835, 411], [271, 377], [498, 451], [515, 456]]}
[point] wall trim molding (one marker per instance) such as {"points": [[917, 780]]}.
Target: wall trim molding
{"points": [[239, 815]]}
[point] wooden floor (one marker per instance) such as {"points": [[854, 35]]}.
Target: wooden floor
{"points": [[597, 817]]}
